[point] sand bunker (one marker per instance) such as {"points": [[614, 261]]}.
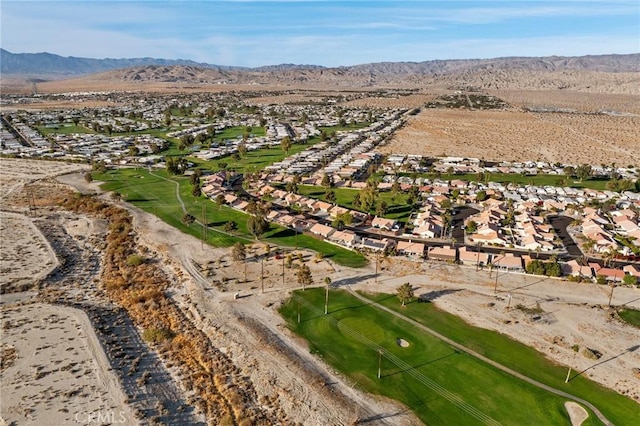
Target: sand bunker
{"points": [[576, 412], [402, 343]]}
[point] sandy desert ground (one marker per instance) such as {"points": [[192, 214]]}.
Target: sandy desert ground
{"points": [[30, 258], [54, 370], [571, 100], [282, 371], [499, 135]]}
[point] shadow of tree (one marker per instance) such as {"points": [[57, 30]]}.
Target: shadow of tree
{"points": [[432, 295]]}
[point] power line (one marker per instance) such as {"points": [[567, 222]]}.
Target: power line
{"points": [[448, 395]]}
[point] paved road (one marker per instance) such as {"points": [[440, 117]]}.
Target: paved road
{"points": [[483, 358]]}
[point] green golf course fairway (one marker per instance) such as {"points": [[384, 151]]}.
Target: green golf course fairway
{"points": [[156, 193], [440, 384]]}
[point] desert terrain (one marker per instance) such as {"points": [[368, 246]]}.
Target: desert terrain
{"points": [[282, 374], [514, 134], [54, 370], [242, 365]]}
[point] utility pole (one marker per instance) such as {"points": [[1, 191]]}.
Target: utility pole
{"points": [[204, 226], [262, 273], [611, 293], [569, 372], [495, 287], [379, 362]]}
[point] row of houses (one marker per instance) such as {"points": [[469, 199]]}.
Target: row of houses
{"points": [[528, 231], [592, 270], [465, 165], [602, 230]]}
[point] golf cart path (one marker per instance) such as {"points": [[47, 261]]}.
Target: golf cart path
{"points": [[483, 358]]}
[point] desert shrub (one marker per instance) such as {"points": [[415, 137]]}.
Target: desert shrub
{"points": [[157, 335], [135, 260]]}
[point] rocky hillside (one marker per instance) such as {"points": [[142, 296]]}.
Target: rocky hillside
{"points": [[466, 75], [619, 74], [48, 64]]}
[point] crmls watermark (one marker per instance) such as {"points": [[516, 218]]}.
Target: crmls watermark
{"points": [[100, 417]]}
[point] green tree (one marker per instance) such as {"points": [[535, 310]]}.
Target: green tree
{"points": [[187, 140], [242, 149], [471, 227], [338, 224], [188, 219], [285, 144], [292, 187], [330, 196], [304, 276], [553, 269], [88, 177], [405, 293], [220, 201], [569, 171], [583, 171], [382, 208], [356, 201], [230, 226], [176, 165], [630, 280], [257, 225], [327, 181], [536, 267]]}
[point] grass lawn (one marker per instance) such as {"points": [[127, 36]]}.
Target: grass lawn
{"points": [[517, 356], [632, 316], [253, 161], [537, 180], [158, 196], [438, 383], [237, 132], [64, 129], [398, 208]]}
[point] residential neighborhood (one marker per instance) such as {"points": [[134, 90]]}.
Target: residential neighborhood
{"points": [[461, 210]]}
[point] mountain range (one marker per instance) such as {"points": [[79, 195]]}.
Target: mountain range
{"points": [[51, 65]]}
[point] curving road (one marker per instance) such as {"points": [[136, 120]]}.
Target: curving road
{"points": [[483, 358], [184, 209]]}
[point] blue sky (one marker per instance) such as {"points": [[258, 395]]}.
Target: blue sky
{"points": [[329, 33]]}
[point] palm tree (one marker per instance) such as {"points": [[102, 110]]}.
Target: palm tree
{"points": [[327, 283], [588, 245], [239, 253]]}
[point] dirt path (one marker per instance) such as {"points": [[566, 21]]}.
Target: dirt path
{"points": [[310, 392]]}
